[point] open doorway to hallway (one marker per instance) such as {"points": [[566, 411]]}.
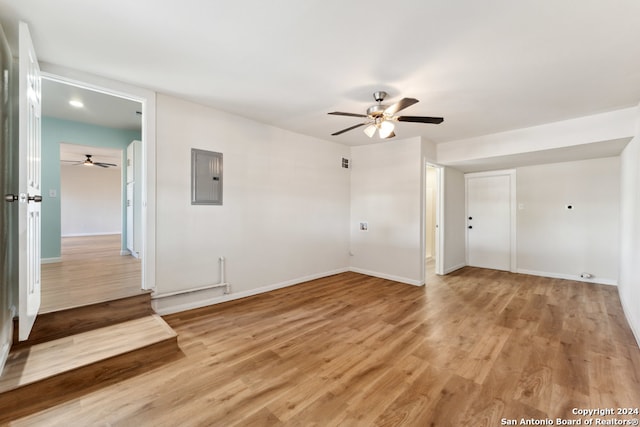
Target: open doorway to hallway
{"points": [[84, 254]]}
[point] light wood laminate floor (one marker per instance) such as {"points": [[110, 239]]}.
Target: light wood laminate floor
{"points": [[92, 270], [468, 349]]}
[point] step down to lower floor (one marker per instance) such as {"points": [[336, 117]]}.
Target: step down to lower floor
{"points": [[58, 324], [44, 373]]}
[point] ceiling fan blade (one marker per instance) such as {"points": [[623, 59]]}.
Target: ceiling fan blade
{"points": [[340, 113], [420, 119], [104, 165], [400, 105], [348, 129]]}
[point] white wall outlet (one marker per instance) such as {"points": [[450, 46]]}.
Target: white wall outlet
{"points": [[363, 226]]}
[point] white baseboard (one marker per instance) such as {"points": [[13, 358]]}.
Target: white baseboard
{"points": [[105, 233], [184, 302], [134, 254], [387, 276], [598, 280], [454, 268], [630, 320], [50, 260]]}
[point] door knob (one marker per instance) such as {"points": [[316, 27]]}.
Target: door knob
{"points": [[22, 197]]}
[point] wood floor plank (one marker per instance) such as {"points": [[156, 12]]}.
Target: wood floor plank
{"points": [[414, 405], [483, 355], [91, 270], [469, 348], [452, 406], [535, 382], [32, 364]]}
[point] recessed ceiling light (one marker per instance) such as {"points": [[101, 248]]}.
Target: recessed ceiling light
{"points": [[76, 103]]}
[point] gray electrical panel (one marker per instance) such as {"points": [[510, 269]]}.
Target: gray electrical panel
{"points": [[206, 177]]}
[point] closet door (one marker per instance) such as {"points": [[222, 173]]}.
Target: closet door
{"points": [[490, 227]]}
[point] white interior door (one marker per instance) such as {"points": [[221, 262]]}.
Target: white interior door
{"points": [[490, 230], [29, 184]]}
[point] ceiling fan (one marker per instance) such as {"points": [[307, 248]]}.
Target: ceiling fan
{"points": [[89, 162], [381, 117]]}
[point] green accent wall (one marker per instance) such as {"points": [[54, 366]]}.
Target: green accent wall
{"points": [[55, 131]]}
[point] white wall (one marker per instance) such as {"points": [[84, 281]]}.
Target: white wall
{"points": [[629, 286], [386, 186], [285, 213], [576, 132], [453, 225], [90, 200], [556, 242]]}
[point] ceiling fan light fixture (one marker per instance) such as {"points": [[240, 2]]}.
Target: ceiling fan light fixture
{"points": [[386, 129], [370, 130]]}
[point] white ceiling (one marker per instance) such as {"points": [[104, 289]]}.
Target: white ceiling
{"points": [[485, 66], [99, 108]]}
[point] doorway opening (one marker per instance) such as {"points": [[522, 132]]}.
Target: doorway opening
{"points": [[432, 220], [84, 254]]}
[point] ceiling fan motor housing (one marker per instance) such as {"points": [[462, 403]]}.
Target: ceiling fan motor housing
{"points": [[379, 96], [376, 110]]}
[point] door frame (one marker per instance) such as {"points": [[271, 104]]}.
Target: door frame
{"points": [[147, 99], [511, 173], [439, 258]]}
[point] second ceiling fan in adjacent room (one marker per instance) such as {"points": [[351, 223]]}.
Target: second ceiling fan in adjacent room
{"points": [[89, 162]]}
